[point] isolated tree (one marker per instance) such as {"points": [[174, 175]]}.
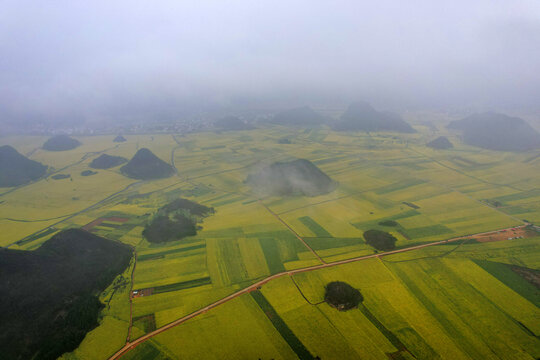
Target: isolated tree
{"points": [[342, 296], [380, 240]]}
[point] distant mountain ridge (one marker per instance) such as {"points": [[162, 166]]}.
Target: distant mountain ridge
{"points": [[16, 169], [361, 116], [144, 165], [495, 131]]}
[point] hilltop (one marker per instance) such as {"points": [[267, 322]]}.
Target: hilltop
{"points": [[145, 165], [119, 138], [105, 161], [232, 123], [61, 143], [291, 178], [49, 296], [496, 131], [440, 143], [302, 116], [361, 116], [16, 169]]}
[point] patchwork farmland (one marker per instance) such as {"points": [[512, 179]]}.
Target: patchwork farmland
{"points": [[471, 298]]}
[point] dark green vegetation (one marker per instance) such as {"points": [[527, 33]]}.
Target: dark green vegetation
{"points": [[144, 165], [302, 116], [176, 220], [315, 227], [297, 177], [161, 255], [49, 296], [162, 228], [284, 141], [497, 132], [16, 169], [182, 285], [380, 240], [388, 223], [105, 161], [88, 173], [524, 281], [280, 325], [60, 176], [119, 138], [440, 143], [187, 206], [232, 123], [393, 339], [342, 296], [361, 116], [61, 143]]}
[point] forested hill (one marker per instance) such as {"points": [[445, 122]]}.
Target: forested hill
{"points": [[361, 116], [16, 169], [496, 131], [50, 295]]}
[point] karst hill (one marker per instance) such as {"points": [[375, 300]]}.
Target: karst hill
{"points": [[361, 116], [106, 161], [61, 143], [50, 295], [16, 169], [297, 177], [496, 131], [144, 165]]}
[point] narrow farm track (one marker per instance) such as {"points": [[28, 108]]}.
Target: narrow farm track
{"points": [[292, 231], [130, 345]]}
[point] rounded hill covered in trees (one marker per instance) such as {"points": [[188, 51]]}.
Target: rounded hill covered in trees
{"points": [[361, 116], [495, 131], [16, 169], [50, 295], [144, 165], [176, 220], [105, 161], [119, 138], [440, 143], [342, 296], [297, 177], [380, 240], [61, 143]]}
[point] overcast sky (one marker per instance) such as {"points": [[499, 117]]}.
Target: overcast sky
{"points": [[97, 59]]}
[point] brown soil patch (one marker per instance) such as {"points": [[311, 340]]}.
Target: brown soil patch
{"points": [[142, 292], [509, 234], [532, 276]]}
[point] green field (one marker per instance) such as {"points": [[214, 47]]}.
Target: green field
{"points": [[458, 301]]}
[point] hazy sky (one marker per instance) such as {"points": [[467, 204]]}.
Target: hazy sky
{"points": [[98, 59]]}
